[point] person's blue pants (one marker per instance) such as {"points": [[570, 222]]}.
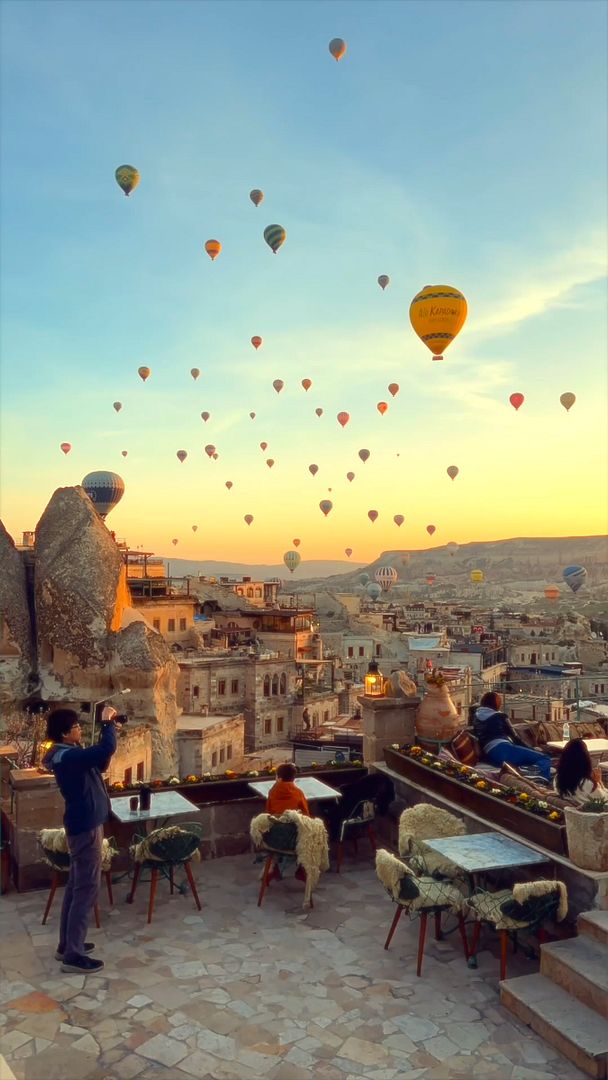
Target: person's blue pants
{"points": [[519, 755]]}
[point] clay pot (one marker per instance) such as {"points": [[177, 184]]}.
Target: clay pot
{"points": [[587, 839], [437, 718]]}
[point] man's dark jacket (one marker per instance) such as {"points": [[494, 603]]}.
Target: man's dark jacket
{"points": [[78, 774]]}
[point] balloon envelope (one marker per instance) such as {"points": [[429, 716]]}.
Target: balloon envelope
{"points": [[430, 529], [319, 412], [144, 373], [383, 281], [393, 388], [516, 401], [270, 462], [364, 455], [373, 590], [313, 469], [210, 450], [552, 592], [278, 385], [307, 383], [337, 48], [437, 314], [452, 471], [325, 506], [256, 196], [386, 576], [382, 407], [248, 518], [252, 415], [343, 418], [182, 455], [205, 416], [348, 552], [194, 528], [350, 476], [363, 579], [274, 235], [430, 580], [176, 541], [256, 341], [127, 178], [195, 372], [477, 576], [228, 484], [372, 515], [213, 248], [292, 560], [263, 445], [296, 542], [117, 406], [399, 519], [66, 447], [105, 490], [567, 400], [575, 577], [124, 452]]}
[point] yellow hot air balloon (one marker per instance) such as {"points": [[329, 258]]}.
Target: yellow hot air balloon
{"points": [[477, 576], [438, 313], [127, 178], [567, 400], [213, 248]]}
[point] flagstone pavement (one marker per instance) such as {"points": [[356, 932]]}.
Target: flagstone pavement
{"points": [[278, 992]]}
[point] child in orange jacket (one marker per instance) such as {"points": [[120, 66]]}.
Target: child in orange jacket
{"points": [[284, 794]]}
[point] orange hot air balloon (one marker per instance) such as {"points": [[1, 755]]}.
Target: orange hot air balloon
{"points": [[325, 506], [350, 476], [516, 400], [438, 313], [383, 281], [278, 385], [452, 471], [348, 552], [256, 341], [175, 541], [296, 542], [319, 412], [399, 519], [205, 416], [567, 400], [307, 383], [382, 407], [182, 455], [430, 579], [343, 418], [256, 196], [270, 462], [552, 592], [263, 445], [124, 452], [66, 447], [393, 388], [252, 415], [195, 372], [313, 469], [194, 528], [372, 515], [430, 529], [213, 248], [210, 450], [364, 455], [144, 373], [337, 48], [228, 484], [248, 518]]}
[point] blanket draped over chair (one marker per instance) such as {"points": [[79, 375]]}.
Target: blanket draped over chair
{"points": [[55, 841], [175, 843], [312, 850], [425, 822], [425, 892]]}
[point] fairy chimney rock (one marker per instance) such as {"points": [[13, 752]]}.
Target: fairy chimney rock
{"points": [[17, 653]]}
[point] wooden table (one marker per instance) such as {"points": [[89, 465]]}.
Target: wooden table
{"points": [[598, 748]]}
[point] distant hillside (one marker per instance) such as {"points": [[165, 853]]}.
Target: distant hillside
{"points": [[308, 568]]}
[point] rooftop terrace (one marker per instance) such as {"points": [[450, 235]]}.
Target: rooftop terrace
{"points": [[238, 991]]}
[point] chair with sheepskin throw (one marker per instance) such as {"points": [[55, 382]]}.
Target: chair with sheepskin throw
{"points": [[292, 834], [426, 822], [524, 907], [163, 850], [419, 896], [54, 846]]}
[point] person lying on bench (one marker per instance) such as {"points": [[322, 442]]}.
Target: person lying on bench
{"points": [[499, 741]]}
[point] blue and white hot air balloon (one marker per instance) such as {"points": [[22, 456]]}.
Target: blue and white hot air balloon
{"points": [[574, 576], [105, 490], [386, 576], [373, 590]]}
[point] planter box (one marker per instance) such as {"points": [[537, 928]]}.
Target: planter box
{"points": [[529, 826], [216, 791], [587, 839]]}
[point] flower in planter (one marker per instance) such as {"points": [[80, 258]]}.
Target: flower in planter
{"points": [[415, 751], [191, 779], [482, 785], [230, 774], [395, 746], [523, 797], [156, 783], [437, 765], [554, 815], [496, 791], [253, 772], [357, 763], [426, 760], [117, 786], [173, 780]]}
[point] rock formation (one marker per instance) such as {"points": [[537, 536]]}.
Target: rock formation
{"points": [[17, 652]]}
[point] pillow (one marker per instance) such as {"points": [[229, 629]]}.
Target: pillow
{"points": [[466, 748]]}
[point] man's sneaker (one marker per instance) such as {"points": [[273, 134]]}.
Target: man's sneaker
{"points": [[88, 947], [82, 965]]}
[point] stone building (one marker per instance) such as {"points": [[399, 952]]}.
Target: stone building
{"points": [[210, 743]]}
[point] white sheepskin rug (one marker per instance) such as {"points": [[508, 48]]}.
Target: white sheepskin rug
{"points": [[426, 822], [390, 871], [56, 840], [525, 890], [312, 849]]}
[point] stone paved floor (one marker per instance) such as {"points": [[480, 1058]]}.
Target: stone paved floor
{"points": [[277, 992]]}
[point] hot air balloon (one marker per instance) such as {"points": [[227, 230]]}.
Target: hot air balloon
{"points": [[248, 518], [124, 452], [373, 590], [127, 178], [552, 592], [105, 489], [296, 542], [205, 416], [452, 471], [117, 406], [363, 579], [575, 577], [382, 407], [174, 542], [270, 462], [364, 455], [372, 515], [430, 580], [393, 388], [386, 576], [252, 415], [451, 548], [144, 373], [278, 385], [194, 528], [319, 412], [292, 560], [348, 552], [517, 401], [437, 314], [307, 383], [430, 529], [263, 445], [210, 450], [313, 469], [256, 341], [477, 576], [383, 281], [399, 519], [182, 455], [256, 196], [215, 456], [350, 476], [66, 447], [337, 48], [325, 506], [343, 418], [567, 401], [274, 235], [228, 484], [195, 372], [213, 248]]}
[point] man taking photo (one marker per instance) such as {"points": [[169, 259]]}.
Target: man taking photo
{"points": [[87, 806]]}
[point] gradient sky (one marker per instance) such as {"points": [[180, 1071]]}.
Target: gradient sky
{"points": [[460, 143]]}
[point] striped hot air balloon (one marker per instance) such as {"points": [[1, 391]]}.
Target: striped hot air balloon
{"points": [[386, 576], [105, 490], [127, 178], [575, 577], [274, 235], [292, 560]]}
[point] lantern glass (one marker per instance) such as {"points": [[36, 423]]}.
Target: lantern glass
{"points": [[374, 681]]}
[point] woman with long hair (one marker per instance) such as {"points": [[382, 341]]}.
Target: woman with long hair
{"points": [[576, 778]]}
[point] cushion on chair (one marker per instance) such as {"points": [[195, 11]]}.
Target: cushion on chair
{"points": [[465, 747], [54, 845], [282, 836], [170, 845], [414, 893], [487, 907], [425, 822]]}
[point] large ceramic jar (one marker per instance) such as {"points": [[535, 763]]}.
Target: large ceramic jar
{"points": [[437, 718]]}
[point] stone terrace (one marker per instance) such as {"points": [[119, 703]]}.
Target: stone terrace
{"points": [[278, 992]]}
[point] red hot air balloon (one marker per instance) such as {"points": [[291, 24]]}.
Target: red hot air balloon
{"points": [[343, 418], [182, 455], [205, 416], [213, 248], [350, 476], [296, 542], [319, 412], [248, 518], [270, 462], [372, 515], [430, 529], [382, 407], [430, 579], [263, 445], [210, 450], [278, 385], [399, 519], [66, 447], [393, 388], [313, 469], [364, 455], [348, 552], [228, 484], [452, 471], [325, 506], [256, 341], [307, 383], [516, 400]]}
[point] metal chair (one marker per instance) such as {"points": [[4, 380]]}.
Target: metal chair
{"points": [[524, 907], [359, 820]]}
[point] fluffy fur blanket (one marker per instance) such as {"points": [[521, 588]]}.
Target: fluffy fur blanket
{"points": [[56, 840], [312, 848], [390, 871], [153, 848], [425, 822], [524, 891]]}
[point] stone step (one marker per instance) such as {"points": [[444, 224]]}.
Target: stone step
{"points": [[594, 924], [580, 966], [574, 1030]]}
